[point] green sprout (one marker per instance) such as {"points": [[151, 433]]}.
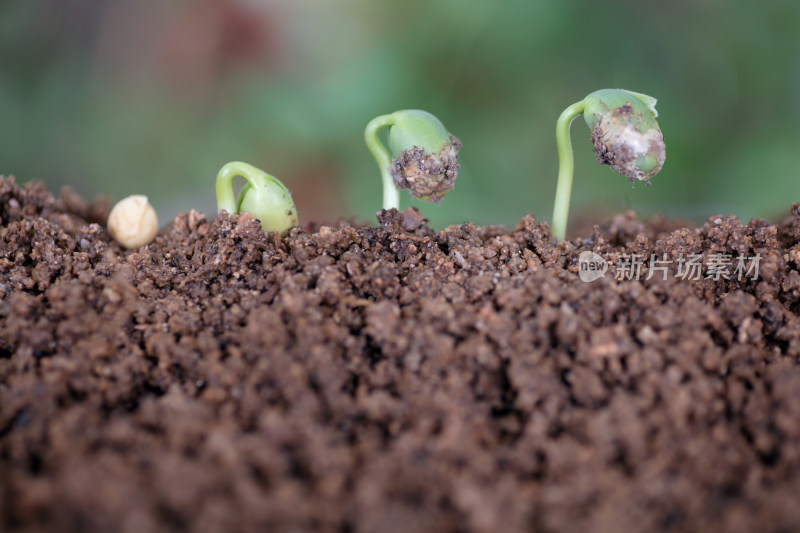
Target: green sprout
{"points": [[263, 196], [625, 135], [422, 156]]}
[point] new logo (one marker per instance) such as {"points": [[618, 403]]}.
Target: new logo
{"points": [[591, 266]]}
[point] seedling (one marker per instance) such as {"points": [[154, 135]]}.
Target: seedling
{"points": [[263, 196], [422, 156], [625, 135]]}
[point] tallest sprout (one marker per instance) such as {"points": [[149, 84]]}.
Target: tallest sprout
{"points": [[625, 136]]}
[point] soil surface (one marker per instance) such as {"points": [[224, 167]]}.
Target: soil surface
{"points": [[393, 378]]}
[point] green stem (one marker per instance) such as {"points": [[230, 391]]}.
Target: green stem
{"points": [[566, 166], [225, 198], [391, 196]]}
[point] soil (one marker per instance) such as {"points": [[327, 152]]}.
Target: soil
{"points": [[393, 378]]}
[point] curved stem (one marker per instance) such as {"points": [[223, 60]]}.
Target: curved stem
{"points": [[225, 198], [391, 196], [566, 167]]}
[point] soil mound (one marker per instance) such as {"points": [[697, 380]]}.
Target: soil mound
{"points": [[395, 378]]}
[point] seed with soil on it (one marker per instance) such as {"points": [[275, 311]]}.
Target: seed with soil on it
{"points": [[422, 156], [625, 136], [624, 139], [427, 176]]}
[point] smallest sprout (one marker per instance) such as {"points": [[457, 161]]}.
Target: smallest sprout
{"points": [[422, 156], [263, 196], [133, 222]]}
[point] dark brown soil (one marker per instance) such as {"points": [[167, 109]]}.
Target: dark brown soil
{"points": [[392, 378]]}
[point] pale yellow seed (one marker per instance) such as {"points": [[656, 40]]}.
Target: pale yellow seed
{"points": [[133, 222]]}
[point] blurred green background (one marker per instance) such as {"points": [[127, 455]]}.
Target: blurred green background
{"points": [[154, 96]]}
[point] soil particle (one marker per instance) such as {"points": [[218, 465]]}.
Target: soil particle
{"points": [[393, 377]]}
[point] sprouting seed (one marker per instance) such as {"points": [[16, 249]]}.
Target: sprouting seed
{"points": [[263, 196], [625, 136], [422, 156]]}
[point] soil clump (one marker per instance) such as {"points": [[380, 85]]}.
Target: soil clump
{"points": [[395, 378]]}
